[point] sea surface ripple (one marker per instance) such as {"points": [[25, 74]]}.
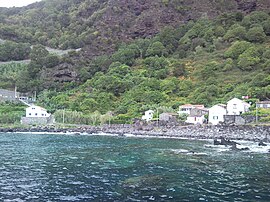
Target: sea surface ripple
{"points": [[53, 167]]}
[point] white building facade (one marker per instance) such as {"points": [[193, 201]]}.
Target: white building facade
{"points": [[36, 112], [216, 114], [148, 115], [236, 107], [195, 119]]}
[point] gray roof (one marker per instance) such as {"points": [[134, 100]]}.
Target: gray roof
{"points": [[263, 102], [8, 95]]}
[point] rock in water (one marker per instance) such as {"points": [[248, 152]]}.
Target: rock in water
{"points": [[262, 144]]}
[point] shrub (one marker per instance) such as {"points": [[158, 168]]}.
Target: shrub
{"points": [[237, 48]]}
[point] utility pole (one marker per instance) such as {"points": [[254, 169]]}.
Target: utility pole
{"points": [[35, 96], [109, 120], [15, 91], [157, 118], [256, 113], [64, 116]]}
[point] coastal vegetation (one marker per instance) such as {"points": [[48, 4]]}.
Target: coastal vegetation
{"points": [[11, 113], [207, 60], [200, 65]]}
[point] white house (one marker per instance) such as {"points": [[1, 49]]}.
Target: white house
{"points": [[36, 111], [186, 109], [236, 107], [148, 115], [216, 114], [197, 116]]}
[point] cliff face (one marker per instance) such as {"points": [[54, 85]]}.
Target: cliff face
{"points": [[125, 20], [144, 18]]}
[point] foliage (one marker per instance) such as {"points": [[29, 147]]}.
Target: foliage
{"points": [[256, 34], [10, 50], [201, 62], [74, 117], [11, 113]]}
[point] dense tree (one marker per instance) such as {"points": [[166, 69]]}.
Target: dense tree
{"points": [[14, 51], [249, 58], [266, 27], [156, 49], [237, 48], [256, 34], [38, 60], [236, 32]]}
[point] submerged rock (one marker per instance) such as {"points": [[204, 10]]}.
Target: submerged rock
{"points": [[225, 142], [141, 181], [234, 147]]}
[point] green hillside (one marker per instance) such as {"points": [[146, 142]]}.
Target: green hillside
{"points": [[207, 60]]}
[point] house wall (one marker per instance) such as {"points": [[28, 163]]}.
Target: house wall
{"points": [[216, 114], [35, 111], [167, 117], [195, 120], [236, 107], [37, 120], [238, 119]]}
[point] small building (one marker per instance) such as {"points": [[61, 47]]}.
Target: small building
{"points": [[148, 115], [36, 115], [185, 109], [216, 114], [197, 116], [36, 111], [263, 104], [166, 117], [236, 107]]}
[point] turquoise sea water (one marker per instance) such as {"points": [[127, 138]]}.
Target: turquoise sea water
{"points": [[51, 167]]}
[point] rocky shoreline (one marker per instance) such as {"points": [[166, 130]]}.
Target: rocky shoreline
{"points": [[243, 132]]}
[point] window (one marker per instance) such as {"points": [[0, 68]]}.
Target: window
{"points": [[42, 114], [33, 108], [29, 114], [215, 117], [36, 114], [234, 106]]}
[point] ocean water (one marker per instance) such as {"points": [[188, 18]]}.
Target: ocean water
{"points": [[55, 167]]}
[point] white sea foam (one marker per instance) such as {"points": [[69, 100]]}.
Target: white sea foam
{"points": [[252, 147], [187, 152], [47, 133]]}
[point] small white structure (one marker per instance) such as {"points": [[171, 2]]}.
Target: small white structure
{"points": [[36, 115], [148, 115], [197, 116], [216, 114], [236, 107], [36, 111], [186, 109]]}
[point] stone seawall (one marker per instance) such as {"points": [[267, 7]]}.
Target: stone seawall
{"points": [[244, 132]]}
